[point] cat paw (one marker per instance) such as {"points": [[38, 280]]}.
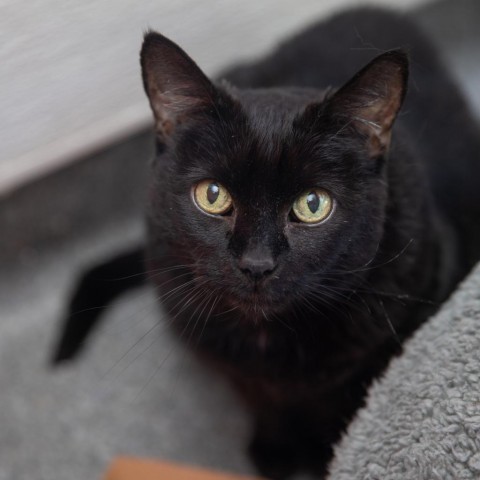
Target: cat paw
{"points": [[277, 461]]}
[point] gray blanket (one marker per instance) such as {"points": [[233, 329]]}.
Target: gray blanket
{"points": [[422, 419]]}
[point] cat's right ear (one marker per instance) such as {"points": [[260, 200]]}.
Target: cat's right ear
{"points": [[371, 100], [175, 85]]}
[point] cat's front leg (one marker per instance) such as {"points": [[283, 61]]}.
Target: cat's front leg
{"points": [[271, 449], [289, 440]]}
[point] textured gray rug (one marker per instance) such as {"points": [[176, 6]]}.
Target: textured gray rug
{"points": [[128, 394], [422, 420]]}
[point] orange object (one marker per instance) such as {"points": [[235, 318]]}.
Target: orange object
{"points": [[127, 468]]}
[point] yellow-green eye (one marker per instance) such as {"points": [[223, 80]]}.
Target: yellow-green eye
{"points": [[313, 206], [212, 197]]}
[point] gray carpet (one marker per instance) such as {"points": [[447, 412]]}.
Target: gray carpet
{"points": [[422, 420], [128, 394]]}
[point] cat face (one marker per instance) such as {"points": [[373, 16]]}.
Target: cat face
{"points": [[267, 195]]}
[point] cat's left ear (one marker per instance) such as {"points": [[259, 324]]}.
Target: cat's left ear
{"points": [[370, 101], [175, 85]]}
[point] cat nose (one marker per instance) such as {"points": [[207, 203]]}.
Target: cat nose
{"points": [[257, 263]]}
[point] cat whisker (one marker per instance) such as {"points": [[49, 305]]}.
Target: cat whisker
{"points": [[177, 290], [204, 302], [337, 294], [186, 303], [130, 349], [162, 362], [138, 355], [202, 305], [148, 273], [207, 318], [389, 322], [155, 373], [277, 318], [399, 297], [325, 297], [219, 314], [313, 307], [136, 343], [373, 267]]}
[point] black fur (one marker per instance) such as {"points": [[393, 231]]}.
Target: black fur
{"points": [[328, 305], [94, 292]]}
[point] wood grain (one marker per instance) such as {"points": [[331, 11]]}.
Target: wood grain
{"points": [[129, 468]]}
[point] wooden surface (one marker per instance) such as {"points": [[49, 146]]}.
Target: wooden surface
{"points": [[127, 468]]}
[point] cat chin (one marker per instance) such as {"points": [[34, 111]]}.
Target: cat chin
{"points": [[256, 306]]}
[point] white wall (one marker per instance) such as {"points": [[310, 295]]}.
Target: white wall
{"points": [[69, 73]]}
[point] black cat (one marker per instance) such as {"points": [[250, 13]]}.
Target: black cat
{"points": [[300, 231]]}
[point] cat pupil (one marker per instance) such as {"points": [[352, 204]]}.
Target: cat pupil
{"points": [[313, 202], [212, 193]]}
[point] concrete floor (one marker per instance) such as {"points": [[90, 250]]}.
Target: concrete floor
{"points": [[128, 394]]}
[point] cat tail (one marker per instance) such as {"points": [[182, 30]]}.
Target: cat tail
{"points": [[96, 290]]}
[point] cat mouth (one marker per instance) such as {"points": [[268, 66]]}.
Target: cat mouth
{"points": [[256, 304]]}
